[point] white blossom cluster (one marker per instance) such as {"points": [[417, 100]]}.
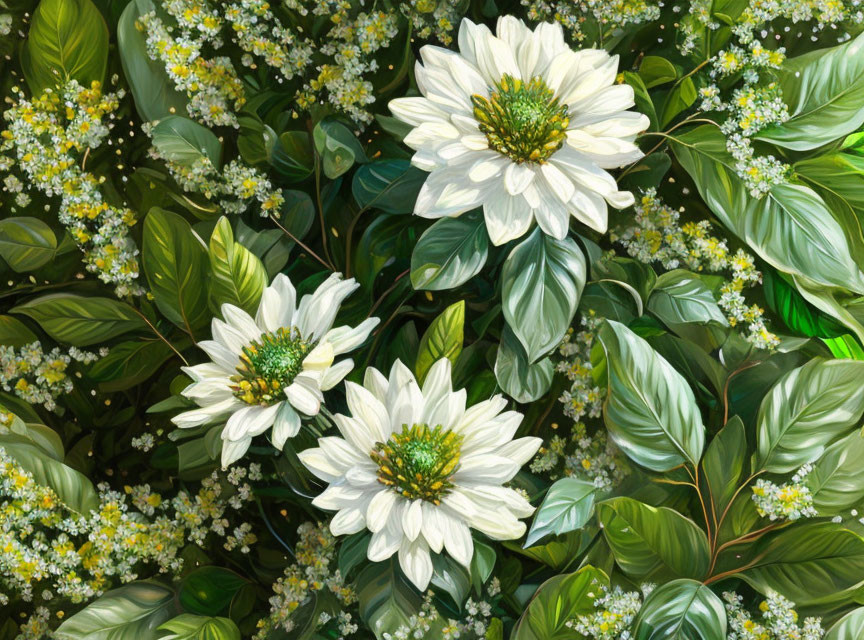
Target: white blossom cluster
{"points": [[610, 15], [38, 377], [658, 237], [428, 623], [614, 612], [51, 136], [789, 501], [433, 18], [779, 620]]}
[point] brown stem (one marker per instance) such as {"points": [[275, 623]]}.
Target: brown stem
{"points": [[159, 335], [732, 572], [747, 537], [387, 292], [300, 244], [321, 211], [749, 365]]}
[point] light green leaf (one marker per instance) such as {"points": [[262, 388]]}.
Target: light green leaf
{"points": [[450, 578], [724, 462], [175, 261], [208, 590], [389, 185], [82, 321], [154, 93], [567, 506], [681, 296], [650, 541], [188, 626], [650, 411], [387, 600], [238, 277], [656, 70], [807, 409], [26, 243], [681, 610], [810, 564], [520, 380], [681, 97], [185, 142], [541, 282], [557, 601], [837, 479], [790, 228], [73, 488], [128, 364], [338, 147], [68, 40], [450, 252], [14, 333], [133, 612], [825, 93], [849, 627], [443, 339]]}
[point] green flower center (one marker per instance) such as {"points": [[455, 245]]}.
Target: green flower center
{"points": [[268, 365], [419, 461], [522, 121]]}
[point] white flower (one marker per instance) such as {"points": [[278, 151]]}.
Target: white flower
{"points": [[267, 371], [417, 469], [522, 125]]}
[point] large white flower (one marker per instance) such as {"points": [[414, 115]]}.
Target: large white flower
{"points": [[417, 469], [522, 125], [267, 371]]}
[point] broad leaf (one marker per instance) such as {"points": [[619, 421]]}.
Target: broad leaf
{"points": [[175, 261], [128, 364], [387, 600], [807, 409], [338, 147], [191, 627], [450, 252], [724, 463], [649, 410], [541, 282], [521, 380], [443, 339], [26, 243], [837, 479], [557, 601], [681, 610], [68, 40], [237, 275], [185, 142], [849, 627], [82, 321], [389, 185], [650, 541], [14, 333], [681, 296], [132, 612], [825, 94], [208, 590], [567, 506]]}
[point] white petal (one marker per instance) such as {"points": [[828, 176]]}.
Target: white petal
{"points": [[335, 374], [345, 338], [518, 177], [276, 308], [320, 464], [590, 208], [304, 394], [520, 450], [374, 381], [485, 468], [490, 164], [249, 422], [431, 134], [447, 193], [319, 358], [468, 34], [358, 433], [317, 311], [625, 124], [339, 496], [241, 321], [384, 543], [495, 59], [416, 111], [287, 425], [507, 217], [219, 354], [347, 521], [341, 454], [229, 337], [558, 182], [458, 542], [366, 408], [233, 450], [415, 562], [433, 526], [412, 519], [380, 507], [197, 417]]}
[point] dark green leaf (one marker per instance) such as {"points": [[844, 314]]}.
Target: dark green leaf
{"points": [[681, 610], [389, 185], [26, 243], [450, 252], [520, 380]]}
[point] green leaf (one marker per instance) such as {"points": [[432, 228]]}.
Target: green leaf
{"points": [[14, 333], [656, 70], [681, 296], [185, 142], [790, 228], [450, 252], [482, 564], [644, 104], [154, 93], [522, 381], [82, 321], [807, 409], [68, 40], [237, 275], [568, 505], [825, 93], [175, 261], [26, 243], [724, 463], [681, 97], [382, 241], [187, 626], [443, 339], [450, 578], [208, 590], [132, 612], [797, 313], [387, 600], [810, 564], [389, 185], [681, 610], [291, 154], [128, 364], [849, 627], [73, 489], [837, 479], [653, 541], [338, 147], [557, 601], [649, 410], [541, 282]]}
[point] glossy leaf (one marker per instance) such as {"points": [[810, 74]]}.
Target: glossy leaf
{"points": [[450, 252], [849, 627], [387, 600], [237, 276], [208, 590], [541, 283], [653, 541], [807, 409], [724, 463], [26, 243], [521, 380], [185, 142], [837, 479], [191, 627], [389, 185], [338, 147], [649, 410], [681, 610], [567, 506], [443, 339], [681, 296]]}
